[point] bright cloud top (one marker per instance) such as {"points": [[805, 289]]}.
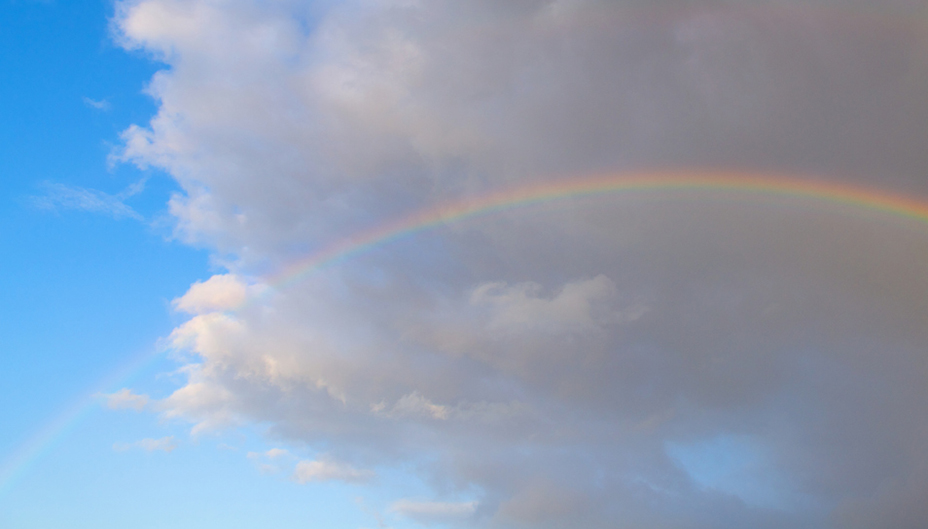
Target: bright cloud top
{"points": [[656, 359], [329, 470]]}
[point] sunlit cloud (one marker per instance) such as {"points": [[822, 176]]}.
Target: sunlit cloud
{"points": [[325, 469], [668, 356], [126, 399]]}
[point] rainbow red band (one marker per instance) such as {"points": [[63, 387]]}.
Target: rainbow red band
{"points": [[748, 186], [697, 185]]}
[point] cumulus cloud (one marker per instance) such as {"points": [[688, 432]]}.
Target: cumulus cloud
{"points": [[126, 399], [218, 293], [649, 359], [165, 444], [329, 470]]}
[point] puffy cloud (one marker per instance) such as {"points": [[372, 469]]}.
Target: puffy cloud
{"points": [[652, 359], [218, 293], [274, 453], [329, 470], [126, 399]]}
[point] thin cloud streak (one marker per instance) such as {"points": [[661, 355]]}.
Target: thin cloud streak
{"points": [[164, 444], [102, 104], [59, 197]]}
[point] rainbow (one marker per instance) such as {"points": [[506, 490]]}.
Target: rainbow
{"points": [[696, 185], [16, 464]]}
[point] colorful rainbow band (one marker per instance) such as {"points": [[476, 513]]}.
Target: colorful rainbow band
{"points": [[738, 185]]}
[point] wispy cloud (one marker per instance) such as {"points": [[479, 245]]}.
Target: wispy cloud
{"points": [[165, 444], [125, 399], [265, 461], [102, 104], [273, 453], [58, 197]]}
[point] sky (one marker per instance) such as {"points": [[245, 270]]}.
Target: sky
{"points": [[525, 264]]}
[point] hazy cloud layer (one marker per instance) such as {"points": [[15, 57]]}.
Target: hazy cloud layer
{"points": [[616, 361], [58, 197], [429, 512], [165, 444]]}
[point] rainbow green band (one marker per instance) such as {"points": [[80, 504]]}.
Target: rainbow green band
{"points": [[746, 186], [695, 185]]}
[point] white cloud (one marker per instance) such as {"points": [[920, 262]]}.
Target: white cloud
{"points": [[274, 453], [218, 293], [266, 462], [102, 104], [545, 358], [165, 444], [58, 197], [126, 399], [329, 470]]}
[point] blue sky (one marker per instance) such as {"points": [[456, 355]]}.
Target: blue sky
{"points": [[668, 359], [86, 296]]}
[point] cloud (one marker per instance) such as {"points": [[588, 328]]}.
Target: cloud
{"points": [[329, 470], [273, 453], [126, 399], [218, 293], [102, 104], [267, 462], [415, 404], [165, 444], [572, 363], [58, 197], [429, 512]]}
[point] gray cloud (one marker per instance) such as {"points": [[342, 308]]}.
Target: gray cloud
{"points": [[616, 361], [429, 512]]}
